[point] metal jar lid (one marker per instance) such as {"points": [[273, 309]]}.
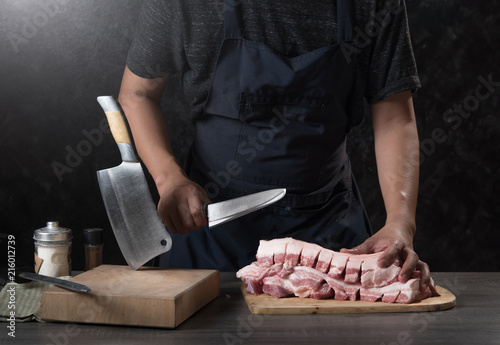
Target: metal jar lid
{"points": [[53, 233]]}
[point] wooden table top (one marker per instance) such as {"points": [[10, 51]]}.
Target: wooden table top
{"points": [[474, 320]]}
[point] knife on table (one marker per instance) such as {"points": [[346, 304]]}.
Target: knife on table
{"points": [[138, 228], [56, 281]]}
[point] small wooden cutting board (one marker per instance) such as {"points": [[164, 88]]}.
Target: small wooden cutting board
{"points": [[266, 304], [152, 297]]}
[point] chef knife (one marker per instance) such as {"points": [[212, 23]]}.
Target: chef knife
{"points": [[138, 228], [56, 281], [225, 211]]}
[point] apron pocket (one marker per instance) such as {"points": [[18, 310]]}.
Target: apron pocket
{"points": [[264, 110], [289, 141]]}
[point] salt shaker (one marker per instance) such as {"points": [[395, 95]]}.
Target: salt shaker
{"points": [[53, 250], [92, 239]]}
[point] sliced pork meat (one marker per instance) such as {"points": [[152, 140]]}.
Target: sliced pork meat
{"points": [[338, 264], [253, 274], [309, 255], [293, 252], [275, 286], [353, 269], [343, 290], [324, 292], [287, 267], [273, 251], [324, 259]]}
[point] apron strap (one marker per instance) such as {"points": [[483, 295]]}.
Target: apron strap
{"points": [[232, 19], [344, 25]]}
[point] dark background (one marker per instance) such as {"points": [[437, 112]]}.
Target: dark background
{"points": [[57, 56]]}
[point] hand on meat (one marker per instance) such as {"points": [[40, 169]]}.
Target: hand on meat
{"points": [[395, 242], [396, 141]]}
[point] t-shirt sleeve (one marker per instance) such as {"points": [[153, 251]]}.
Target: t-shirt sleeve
{"points": [[392, 66], [157, 47]]}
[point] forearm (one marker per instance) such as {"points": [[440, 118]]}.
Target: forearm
{"points": [[397, 154], [141, 104], [181, 200]]}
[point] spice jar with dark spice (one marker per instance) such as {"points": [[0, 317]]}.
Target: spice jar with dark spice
{"points": [[93, 243]]}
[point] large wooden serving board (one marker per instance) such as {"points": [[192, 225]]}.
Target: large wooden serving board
{"points": [[152, 297], [266, 304]]}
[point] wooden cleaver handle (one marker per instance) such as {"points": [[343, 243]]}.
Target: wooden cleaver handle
{"points": [[115, 119]]}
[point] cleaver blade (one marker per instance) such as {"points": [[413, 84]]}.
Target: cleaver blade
{"points": [[138, 228]]}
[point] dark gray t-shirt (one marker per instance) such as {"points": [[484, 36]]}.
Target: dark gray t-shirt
{"points": [[184, 36]]}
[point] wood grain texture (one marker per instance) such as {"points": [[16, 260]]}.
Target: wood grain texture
{"points": [[266, 304], [118, 127], [149, 297]]}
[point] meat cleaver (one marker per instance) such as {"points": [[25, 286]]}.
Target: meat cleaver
{"points": [[138, 228]]}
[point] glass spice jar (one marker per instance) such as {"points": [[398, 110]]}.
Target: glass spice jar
{"points": [[53, 250], [93, 244]]}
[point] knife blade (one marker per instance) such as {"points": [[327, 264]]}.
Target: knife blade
{"points": [[225, 211], [56, 281]]}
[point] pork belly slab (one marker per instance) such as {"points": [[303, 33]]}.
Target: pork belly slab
{"points": [[287, 267]]}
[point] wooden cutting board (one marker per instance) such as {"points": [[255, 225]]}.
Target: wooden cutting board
{"points": [[266, 304], [152, 297]]}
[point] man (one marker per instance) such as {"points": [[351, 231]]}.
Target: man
{"points": [[274, 88]]}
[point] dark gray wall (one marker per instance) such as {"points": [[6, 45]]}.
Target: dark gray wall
{"points": [[57, 56]]}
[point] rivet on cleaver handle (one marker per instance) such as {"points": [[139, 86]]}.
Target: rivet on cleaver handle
{"points": [[138, 228], [225, 211]]}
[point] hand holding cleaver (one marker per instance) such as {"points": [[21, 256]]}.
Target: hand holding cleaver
{"points": [[138, 228]]}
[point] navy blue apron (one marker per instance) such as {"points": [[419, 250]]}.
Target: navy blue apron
{"points": [[274, 121]]}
